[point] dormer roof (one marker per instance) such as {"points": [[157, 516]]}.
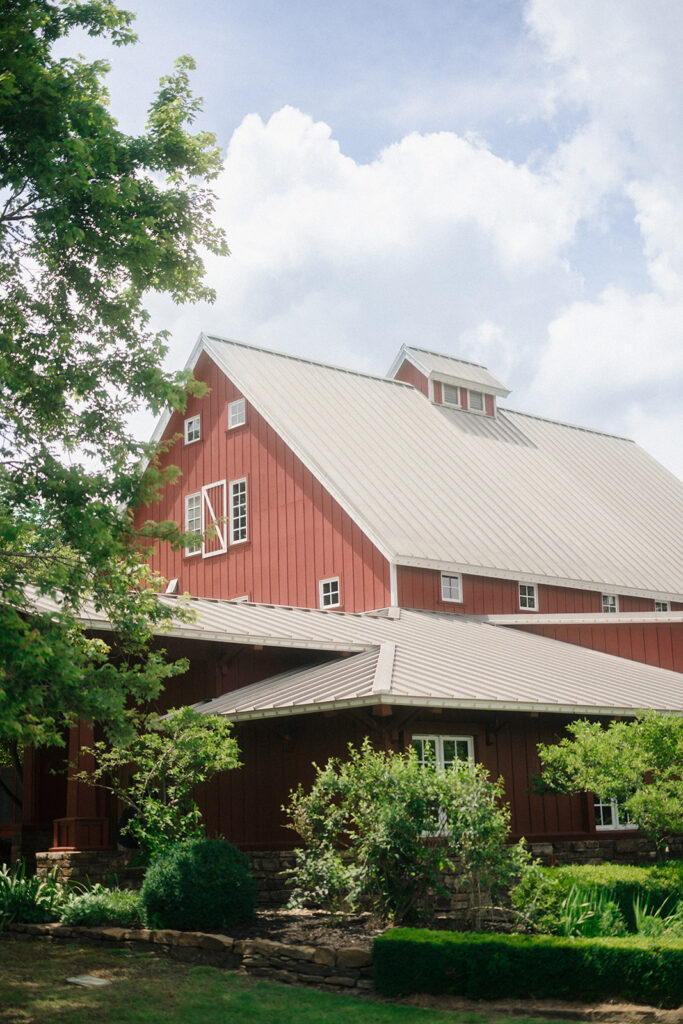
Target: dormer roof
{"points": [[447, 368]]}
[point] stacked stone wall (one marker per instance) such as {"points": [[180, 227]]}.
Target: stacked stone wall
{"points": [[343, 968]]}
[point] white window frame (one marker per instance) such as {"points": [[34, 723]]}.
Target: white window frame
{"points": [[439, 740], [197, 518], [446, 587], [214, 520], [610, 604], [533, 587], [321, 592], [620, 820], [471, 392], [236, 526], [193, 435], [237, 413], [662, 606], [447, 401]]}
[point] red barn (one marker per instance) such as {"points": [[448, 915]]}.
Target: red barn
{"points": [[434, 529]]}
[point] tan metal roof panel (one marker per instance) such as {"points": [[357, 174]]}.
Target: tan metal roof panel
{"points": [[460, 371], [524, 498]]}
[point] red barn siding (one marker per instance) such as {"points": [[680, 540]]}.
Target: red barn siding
{"points": [[490, 405], [297, 533], [421, 588], [411, 375], [278, 754], [656, 643]]}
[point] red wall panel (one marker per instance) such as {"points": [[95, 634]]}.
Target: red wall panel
{"points": [[659, 644], [411, 375], [297, 533]]}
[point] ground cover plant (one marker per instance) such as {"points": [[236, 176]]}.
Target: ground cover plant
{"points": [[28, 898], [379, 828], [99, 905], [151, 989]]}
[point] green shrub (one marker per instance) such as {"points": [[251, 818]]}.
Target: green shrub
{"points": [[99, 905], [481, 966], [29, 899], [203, 885], [540, 894], [380, 827]]}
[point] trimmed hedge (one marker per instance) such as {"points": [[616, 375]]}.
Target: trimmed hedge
{"points": [[660, 884], [486, 966]]}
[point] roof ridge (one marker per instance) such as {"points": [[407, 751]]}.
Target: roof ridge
{"points": [[563, 423], [445, 355], [311, 362]]}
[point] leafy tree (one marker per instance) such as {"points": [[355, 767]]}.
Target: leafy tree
{"points": [[638, 763], [155, 772], [379, 828], [91, 219]]}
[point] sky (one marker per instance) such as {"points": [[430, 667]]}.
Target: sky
{"points": [[493, 179]]}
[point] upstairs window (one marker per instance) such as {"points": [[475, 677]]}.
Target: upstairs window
{"points": [[192, 429], [662, 606], [451, 587], [451, 394], [610, 603], [329, 593], [193, 523], [237, 413], [443, 751], [528, 597], [476, 401], [238, 511]]}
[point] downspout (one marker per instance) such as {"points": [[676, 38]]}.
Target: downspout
{"points": [[393, 585]]}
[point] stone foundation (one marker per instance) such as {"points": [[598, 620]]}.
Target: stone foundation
{"points": [[91, 866], [627, 849], [346, 968]]}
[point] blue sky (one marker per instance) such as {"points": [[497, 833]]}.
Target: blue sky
{"points": [[497, 179]]}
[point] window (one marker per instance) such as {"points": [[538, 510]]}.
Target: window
{"points": [[610, 603], [451, 394], [237, 413], [193, 523], [443, 751], [608, 814], [238, 511], [528, 598], [662, 606], [191, 429], [214, 515], [451, 587], [476, 402], [329, 593]]}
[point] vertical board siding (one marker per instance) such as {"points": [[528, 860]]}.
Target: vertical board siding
{"points": [[482, 595], [410, 374], [297, 533], [657, 643]]}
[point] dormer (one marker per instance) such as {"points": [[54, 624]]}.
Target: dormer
{"points": [[453, 383]]}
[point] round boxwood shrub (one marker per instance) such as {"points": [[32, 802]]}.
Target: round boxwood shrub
{"points": [[203, 885]]}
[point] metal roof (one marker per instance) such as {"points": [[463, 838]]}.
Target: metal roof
{"points": [[431, 659], [444, 367], [515, 497], [407, 657]]}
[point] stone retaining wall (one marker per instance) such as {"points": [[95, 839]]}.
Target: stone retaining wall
{"points": [[345, 968]]}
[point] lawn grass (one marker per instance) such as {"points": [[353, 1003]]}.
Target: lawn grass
{"points": [[149, 988]]}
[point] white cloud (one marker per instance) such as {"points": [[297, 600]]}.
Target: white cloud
{"points": [[442, 242]]}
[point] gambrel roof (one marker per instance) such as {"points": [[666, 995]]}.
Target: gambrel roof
{"points": [[511, 497]]}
